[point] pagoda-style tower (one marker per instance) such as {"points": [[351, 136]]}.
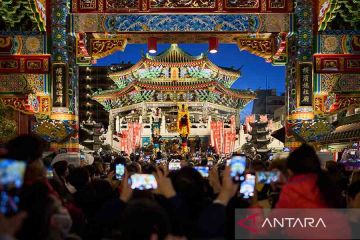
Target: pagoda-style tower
{"points": [[149, 93], [260, 135]]}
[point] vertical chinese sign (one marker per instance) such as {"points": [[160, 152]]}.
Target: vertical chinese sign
{"points": [[59, 76], [304, 84]]}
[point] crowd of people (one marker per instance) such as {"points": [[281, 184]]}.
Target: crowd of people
{"points": [[89, 202]]}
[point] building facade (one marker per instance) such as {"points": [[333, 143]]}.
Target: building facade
{"points": [[267, 101], [151, 94]]}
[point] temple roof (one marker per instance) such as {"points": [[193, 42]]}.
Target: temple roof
{"points": [[172, 76], [344, 133], [174, 86], [174, 54], [162, 65]]}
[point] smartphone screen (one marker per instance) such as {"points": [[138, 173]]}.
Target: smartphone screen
{"points": [[119, 171], [174, 165], [49, 172], [210, 163], [11, 180], [147, 158], [204, 171], [143, 181], [267, 177], [247, 186], [237, 166]]}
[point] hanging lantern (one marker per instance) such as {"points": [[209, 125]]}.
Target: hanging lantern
{"points": [[152, 44], [213, 44]]}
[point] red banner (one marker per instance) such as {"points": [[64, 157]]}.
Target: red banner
{"points": [[130, 138], [123, 140], [229, 137], [223, 139]]}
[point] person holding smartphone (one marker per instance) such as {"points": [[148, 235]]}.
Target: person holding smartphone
{"points": [[308, 187]]}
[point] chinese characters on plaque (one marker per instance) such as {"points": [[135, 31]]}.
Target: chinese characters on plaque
{"points": [[59, 73], [305, 87]]}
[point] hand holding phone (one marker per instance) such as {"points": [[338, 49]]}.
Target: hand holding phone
{"points": [[237, 166], [204, 171], [119, 171], [174, 165], [267, 177], [247, 187], [49, 172], [11, 180], [143, 181]]}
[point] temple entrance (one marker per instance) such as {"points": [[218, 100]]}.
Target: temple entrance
{"points": [[136, 93]]}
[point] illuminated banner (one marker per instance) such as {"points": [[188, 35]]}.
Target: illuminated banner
{"points": [[59, 84], [304, 80], [217, 129]]}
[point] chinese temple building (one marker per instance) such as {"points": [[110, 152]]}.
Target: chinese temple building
{"points": [[43, 45], [154, 95]]}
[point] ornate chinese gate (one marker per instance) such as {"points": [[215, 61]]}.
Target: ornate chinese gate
{"points": [[281, 31]]}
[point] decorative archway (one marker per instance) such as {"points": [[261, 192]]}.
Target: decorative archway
{"points": [[281, 31], [264, 28]]}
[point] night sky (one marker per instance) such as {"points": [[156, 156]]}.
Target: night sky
{"points": [[254, 69]]}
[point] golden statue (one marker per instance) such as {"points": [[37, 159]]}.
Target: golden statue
{"points": [[183, 126], [183, 121]]}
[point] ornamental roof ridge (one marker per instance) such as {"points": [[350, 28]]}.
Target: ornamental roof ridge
{"points": [[174, 54], [176, 57]]}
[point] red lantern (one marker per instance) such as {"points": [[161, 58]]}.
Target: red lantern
{"points": [[152, 44], [213, 44]]}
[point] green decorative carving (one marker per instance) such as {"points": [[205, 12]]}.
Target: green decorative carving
{"points": [[8, 127], [21, 15]]}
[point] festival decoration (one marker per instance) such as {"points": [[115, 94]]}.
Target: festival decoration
{"points": [[312, 130], [136, 6], [18, 103], [261, 47], [216, 135], [344, 11], [60, 12], [230, 137], [223, 139], [55, 130], [22, 44], [337, 63], [102, 47], [246, 23], [340, 101], [319, 104], [8, 127], [24, 63], [130, 138], [299, 50], [15, 15]]}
